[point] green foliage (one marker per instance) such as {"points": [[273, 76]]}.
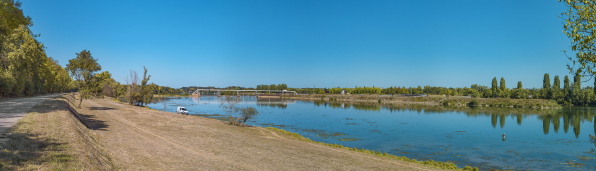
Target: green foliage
{"points": [[503, 86], [579, 26], [546, 82], [82, 68], [556, 84], [494, 84], [272, 87], [237, 115], [474, 102], [24, 67]]}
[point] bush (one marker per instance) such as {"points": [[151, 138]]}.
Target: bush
{"points": [[474, 102]]}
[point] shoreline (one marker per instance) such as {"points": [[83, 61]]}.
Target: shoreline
{"points": [[433, 101]]}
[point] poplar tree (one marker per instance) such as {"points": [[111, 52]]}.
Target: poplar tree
{"points": [[566, 83], [556, 84], [503, 86], [519, 85], [494, 84], [577, 79], [546, 82]]}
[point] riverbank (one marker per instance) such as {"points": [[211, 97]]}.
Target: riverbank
{"points": [[432, 101], [144, 139]]}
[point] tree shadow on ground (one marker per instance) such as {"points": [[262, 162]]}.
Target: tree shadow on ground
{"points": [[89, 121], [92, 123], [21, 149], [101, 108]]}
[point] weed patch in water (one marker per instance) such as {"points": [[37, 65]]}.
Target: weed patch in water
{"points": [[584, 158], [273, 125], [349, 139], [353, 123], [324, 134], [571, 164]]}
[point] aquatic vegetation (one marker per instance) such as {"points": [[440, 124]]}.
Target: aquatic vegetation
{"points": [[349, 139], [438, 164], [571, 164], [584, 158]]}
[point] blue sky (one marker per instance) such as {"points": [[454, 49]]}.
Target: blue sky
{"points": [[311, 43]]}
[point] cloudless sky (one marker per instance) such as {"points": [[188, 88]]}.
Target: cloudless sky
{"points": [[311, 43]]}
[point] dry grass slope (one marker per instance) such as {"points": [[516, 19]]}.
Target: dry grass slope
{"points": [[49, 138]]}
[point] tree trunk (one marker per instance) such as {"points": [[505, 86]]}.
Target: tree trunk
{"points": [[81, 100]]}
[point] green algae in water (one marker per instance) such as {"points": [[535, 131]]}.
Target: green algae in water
{"points": [[349, 139]]}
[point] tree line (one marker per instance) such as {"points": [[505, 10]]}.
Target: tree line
{"points": [[25, 69], [568, 93]]}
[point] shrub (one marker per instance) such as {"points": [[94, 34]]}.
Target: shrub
{"points": [[474, 102]]}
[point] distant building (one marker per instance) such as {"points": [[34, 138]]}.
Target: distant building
{"points": [[343, 92]]}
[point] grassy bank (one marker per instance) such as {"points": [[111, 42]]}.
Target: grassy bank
{"points": [[433, 101], [50, 138]]}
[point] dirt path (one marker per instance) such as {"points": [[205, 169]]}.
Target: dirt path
{"points": [[14, 109], [142, 139]]}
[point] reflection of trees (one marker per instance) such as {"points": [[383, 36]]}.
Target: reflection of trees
{"points": [[502, 121], [493, 120], [367, 107], [555, 121], [572, 116], [545, 124], [566, 123]]}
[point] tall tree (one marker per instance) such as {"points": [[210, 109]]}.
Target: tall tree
{"points": [[577, 79], [566, 83], [503, 85], [546, 82], [519, 85], [494, 84], [580, 27], [556, 84], [82, 69], [146, 90]]}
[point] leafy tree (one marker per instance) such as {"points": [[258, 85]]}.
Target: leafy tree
{"points": [[519, 85], [566, 83], [146, 91], [546, 82], [577, 78], [580, 26], [82, 68], [494, 84], [556, 84], [503, 86], [12, 17]]}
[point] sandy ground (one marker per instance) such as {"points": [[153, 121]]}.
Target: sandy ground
{"points": [[142, 139]]}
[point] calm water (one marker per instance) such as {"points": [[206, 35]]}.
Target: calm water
{"points": [[558, 140]]}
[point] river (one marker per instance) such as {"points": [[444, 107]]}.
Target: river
{"points": [[554, 140]]}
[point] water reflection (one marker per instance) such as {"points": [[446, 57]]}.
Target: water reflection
{"points": [[573, 116]]}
